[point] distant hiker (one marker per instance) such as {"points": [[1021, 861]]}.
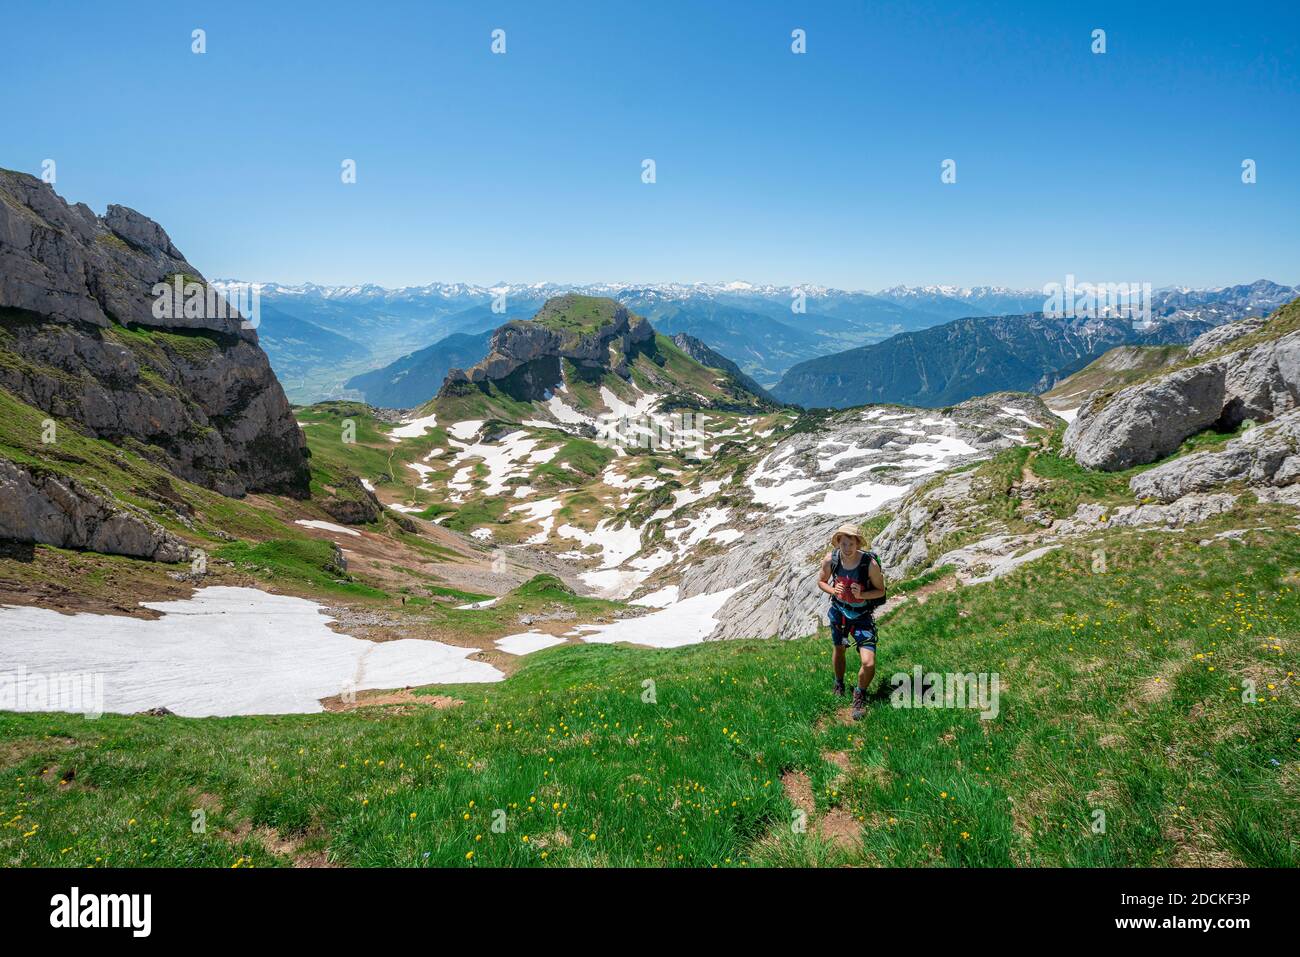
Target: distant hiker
{"points": [[853, 579]]}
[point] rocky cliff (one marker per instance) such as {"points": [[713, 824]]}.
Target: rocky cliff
{"points": [[89, 337]]}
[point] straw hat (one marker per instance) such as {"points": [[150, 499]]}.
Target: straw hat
{"points": [[848, 529]]}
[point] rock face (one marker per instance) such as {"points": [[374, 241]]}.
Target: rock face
{"points": [[780, 565], [524, 358], [923, 521], [50, 509], [1265, 455], [1148, 421], [79, 339]]}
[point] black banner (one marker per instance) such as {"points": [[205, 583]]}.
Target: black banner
{"points": [[333, 906]]}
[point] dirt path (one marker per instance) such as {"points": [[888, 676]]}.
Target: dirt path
{"points": [[836, 825]]}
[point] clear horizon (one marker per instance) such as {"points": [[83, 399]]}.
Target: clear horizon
{"points": [[632, 284], [821, 168]]}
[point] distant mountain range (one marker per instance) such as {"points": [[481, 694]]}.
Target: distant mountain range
{"points": [[392, 343], [765, 329]]}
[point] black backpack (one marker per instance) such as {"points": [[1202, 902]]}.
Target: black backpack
{"points": [[864, 566]]}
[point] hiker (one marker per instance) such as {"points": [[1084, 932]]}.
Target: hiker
{"points": [[856, 584]]}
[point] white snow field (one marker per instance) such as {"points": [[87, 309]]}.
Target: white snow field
{"points": [[223, 651], [687, 622], [465, 430], [507, 458], [661, 598]]}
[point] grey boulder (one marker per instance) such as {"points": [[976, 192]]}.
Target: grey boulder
{"points": [[1146, 422]]}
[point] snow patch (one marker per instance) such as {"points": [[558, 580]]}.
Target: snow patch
{"points": [[658, 599], [465, 430], [224, 651], [527, 643], [687, 622], [413, 428], [327, 527]]}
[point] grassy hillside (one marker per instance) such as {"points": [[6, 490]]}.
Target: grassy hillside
{"points": [[1117, 368], [580, 314], [1121, 693]]}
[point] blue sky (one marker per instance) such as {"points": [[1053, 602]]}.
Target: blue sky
{"points": [[771, 167]]}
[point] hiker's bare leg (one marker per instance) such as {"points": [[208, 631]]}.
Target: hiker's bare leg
{"points": [[868, 669], [837, 661]]}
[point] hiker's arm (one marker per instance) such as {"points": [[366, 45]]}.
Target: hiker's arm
{"points": [[824, 579], [877, 589]]}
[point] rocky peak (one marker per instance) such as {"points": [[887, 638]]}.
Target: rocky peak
{"points": [[80, 340], [62, 261], [140, 231], [595, 334]]}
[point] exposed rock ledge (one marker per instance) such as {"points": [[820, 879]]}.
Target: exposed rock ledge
{"points": [[50, 509], [1148, 421], [1265, 455], [1220, 336], [79, 341]]}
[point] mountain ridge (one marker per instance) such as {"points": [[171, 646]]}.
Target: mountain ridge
{"points": [[964, 358]]}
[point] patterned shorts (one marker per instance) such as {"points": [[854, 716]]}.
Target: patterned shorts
{"points": [[859, 632]]}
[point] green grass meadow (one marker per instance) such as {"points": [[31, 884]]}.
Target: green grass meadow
{"points": [[1121, 692]]}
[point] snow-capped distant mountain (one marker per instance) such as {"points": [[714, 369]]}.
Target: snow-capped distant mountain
{"points": [[960, 302], [953, 292], [763, 327]]}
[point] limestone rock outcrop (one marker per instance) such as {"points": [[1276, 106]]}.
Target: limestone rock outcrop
{"points": [[1148, 421], [43, 507], [1265, 455], [189, 388], [524, 357], [1220, 336]]}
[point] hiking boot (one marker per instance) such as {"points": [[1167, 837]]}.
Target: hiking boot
{"points": [[839, 689], [859, 704]]}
